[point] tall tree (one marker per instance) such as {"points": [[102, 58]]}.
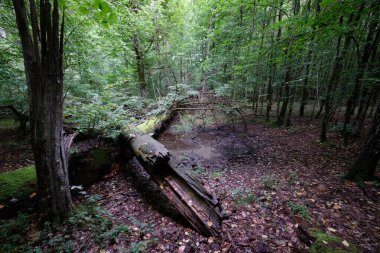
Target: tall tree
{"points": [[41, 37]]}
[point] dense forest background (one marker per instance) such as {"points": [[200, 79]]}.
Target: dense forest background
{"points": [[287, 80], [285, 58]]}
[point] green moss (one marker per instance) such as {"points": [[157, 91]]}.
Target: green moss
{"points": [[329, 244], [17, 183], [150, 125], [7, 123]]}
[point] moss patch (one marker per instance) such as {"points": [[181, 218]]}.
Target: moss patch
{"points": [[17, 183], [150, 125], [329, 244]]}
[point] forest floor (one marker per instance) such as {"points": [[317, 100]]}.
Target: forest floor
{"points": [[15, 151], [272, 182]]}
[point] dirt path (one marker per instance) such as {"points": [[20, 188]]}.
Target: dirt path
{"points": [[262, 176]]}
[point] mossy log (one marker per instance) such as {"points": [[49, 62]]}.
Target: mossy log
{"points": [[178, 184]]}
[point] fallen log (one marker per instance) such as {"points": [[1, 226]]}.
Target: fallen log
{"points": [[178, 184]]}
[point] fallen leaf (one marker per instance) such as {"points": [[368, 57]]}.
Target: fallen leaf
{"points": [[32, 195], [181, 249], [331, 230], [345, 243]]}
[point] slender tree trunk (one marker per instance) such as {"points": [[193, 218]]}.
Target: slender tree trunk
{"points": [[365, 165], [370, 46], [290, 110], [285, 95], [140, 66], [305, 90], [272, 72], [334, 79], [43, 59], [288, 78]]}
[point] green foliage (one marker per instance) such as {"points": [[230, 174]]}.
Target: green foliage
{"points": [[242, 195], [330, 244], [198, 170], [18, 183], [144, 229], [299, 209], [7, 123], [60, 244], [86, 217], [100, 115], [111, 235], [12, 233], [186, 123], [269, 182], [217, 174]]}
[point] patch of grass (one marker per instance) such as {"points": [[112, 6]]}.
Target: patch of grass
{"points": [[299, 209], [17, 183], [269, 182], [330, 244], [6, 123]]}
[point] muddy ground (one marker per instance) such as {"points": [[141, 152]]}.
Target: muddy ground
{"points": [[271, 182]]}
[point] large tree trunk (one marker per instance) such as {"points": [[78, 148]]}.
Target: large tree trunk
{"points": [[43, 60], [178, 184], [365, 165]]}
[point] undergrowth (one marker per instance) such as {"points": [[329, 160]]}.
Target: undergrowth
{"points": [[96, 227], [242, 195], [299, 209]]}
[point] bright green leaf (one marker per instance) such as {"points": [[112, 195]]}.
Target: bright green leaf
{"points": [[83, 10]]}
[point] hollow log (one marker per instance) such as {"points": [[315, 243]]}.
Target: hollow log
{"points": [[178, 184]]}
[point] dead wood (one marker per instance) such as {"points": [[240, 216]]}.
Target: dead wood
{"points": [[184, 109], [178, 184]]}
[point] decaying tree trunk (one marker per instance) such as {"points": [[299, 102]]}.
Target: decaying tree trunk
{"points": [[178, 184]]}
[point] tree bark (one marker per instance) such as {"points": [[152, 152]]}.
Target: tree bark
{"points": [[371, 44], [365, 165], [140, 66], [178, 184], [43, 59]]}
